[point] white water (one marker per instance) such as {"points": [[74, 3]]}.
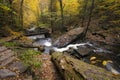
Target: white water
{"points": [[36, 37], [74, 46], [31, 29], [47, 42], [43, 41]]}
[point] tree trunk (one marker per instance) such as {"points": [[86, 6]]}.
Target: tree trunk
{"points": [[21, 13], [84, 12], [10, 14], [62, 17], [74, 69], [89, 19]]}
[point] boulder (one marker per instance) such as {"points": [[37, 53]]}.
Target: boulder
{"points": [[68, 37], [83, 51]]}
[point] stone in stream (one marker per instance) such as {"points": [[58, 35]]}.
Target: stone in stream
{"points": [[80, 52], [83, 51], [68, 37], [6, 73]]}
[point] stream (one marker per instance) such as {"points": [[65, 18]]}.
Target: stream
{"points": [[84, 51]]}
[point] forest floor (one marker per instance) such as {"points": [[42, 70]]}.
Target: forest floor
{"points": [[48, 70]]}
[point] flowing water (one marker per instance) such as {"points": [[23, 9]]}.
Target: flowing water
{"points": [[100, 53]]}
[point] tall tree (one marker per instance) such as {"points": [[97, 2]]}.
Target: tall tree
{"points": [[21, 12], [62, 17], [11, 13], [51, 10], [84, 12], [89, 19]]}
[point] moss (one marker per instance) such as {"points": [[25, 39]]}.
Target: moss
{"points": [[9, 44], [29, 57], [74, 69]]}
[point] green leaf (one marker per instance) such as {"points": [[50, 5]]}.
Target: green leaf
{"points": [[5, 7]]}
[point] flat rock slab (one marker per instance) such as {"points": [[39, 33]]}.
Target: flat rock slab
{"points": [[2, 48], [18, 66], [6, 73], [6, 56], [68, 37], [2, 53], [8, 61]]}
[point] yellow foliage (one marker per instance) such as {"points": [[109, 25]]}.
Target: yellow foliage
{"points": [[70, 7], [115, 22], [92, 58], [25, 39], [31, 10], [104, 63], [10, 31]]}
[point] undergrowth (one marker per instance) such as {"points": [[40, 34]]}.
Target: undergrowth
{"points": [[29, 57]]}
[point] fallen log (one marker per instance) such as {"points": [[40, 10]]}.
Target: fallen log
{"points": [[40, 48], [74, 69]]}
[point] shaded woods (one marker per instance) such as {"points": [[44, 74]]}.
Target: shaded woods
{"points": [[76, 28]]}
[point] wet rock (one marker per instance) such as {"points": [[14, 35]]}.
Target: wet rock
{"points": [[18, 66], [68, 37], [6, 73], [113, 67], [83, 51]]}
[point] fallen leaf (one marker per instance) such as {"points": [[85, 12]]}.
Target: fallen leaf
{"points": [[92, 58]]}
